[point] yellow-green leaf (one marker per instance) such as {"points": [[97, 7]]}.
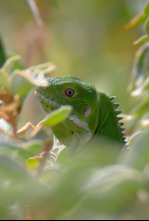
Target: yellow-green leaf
{"points": [[137, 20], [141, 40], [36, 74], [146, 10], [33, 162], [3, 79]]}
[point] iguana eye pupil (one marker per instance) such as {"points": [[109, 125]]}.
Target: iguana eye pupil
{"points": [[69, 92]]}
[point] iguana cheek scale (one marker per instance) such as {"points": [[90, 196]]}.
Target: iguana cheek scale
{"points": [[93, 113]]}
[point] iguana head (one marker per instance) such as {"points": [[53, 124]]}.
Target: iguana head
{"points": [[82, 96]]}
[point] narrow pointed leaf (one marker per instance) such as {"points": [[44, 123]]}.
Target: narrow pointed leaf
{"points": [[137, 20], [147, 27], [140, 65], [141, 40], [146, 10], [36, 74]]}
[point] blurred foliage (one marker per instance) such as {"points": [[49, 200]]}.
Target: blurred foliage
{"points": [[39, 178]]}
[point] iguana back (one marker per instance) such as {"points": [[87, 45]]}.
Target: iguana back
{"points": [[108, 121]]}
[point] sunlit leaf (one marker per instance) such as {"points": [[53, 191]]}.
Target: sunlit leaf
{"points": [[33, 162], [36, 74], [141, 40], [137, 20], [144, 122], [127, 118], [8, 65], [139, 90]]}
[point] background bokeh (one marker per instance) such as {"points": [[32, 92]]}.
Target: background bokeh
{"points": [[87, 39], [83, 38]]}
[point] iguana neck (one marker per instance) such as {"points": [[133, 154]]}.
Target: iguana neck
{"points": [[108, 121]]}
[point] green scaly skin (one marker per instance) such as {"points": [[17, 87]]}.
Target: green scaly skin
{"points": [[93, 113]]}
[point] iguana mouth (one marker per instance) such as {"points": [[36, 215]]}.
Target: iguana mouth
{"points": [[47, 103]]}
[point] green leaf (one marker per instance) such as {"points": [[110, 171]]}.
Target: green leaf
{"points": [[147, 27], [2, 53], [63, 157], [142, 107], [32, 146], [139, 90], [57, 116], [137, 20], [141, 40], [146, 10], [138, 156], [20, 86], [11, 170], [11, 63], [3, 79], [109, 192], [140, 66], [22, 150]]}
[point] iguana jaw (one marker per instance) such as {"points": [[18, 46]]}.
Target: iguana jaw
{"points": [[47, 103]]}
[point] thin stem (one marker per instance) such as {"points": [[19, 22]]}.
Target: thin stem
{"points": [[35, 12]]}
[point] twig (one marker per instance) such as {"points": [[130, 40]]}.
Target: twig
{"points": [[47, 146]]}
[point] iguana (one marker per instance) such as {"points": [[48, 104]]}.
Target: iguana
{"points": [[93, 113]]}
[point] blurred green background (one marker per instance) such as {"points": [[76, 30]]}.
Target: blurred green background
{"points": [[84, 38], [87, 39]]}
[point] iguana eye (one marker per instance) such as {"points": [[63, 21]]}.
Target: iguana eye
{"points": [[69, 92]]}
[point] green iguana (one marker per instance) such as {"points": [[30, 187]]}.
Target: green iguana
{"points": [[93, 113]]}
